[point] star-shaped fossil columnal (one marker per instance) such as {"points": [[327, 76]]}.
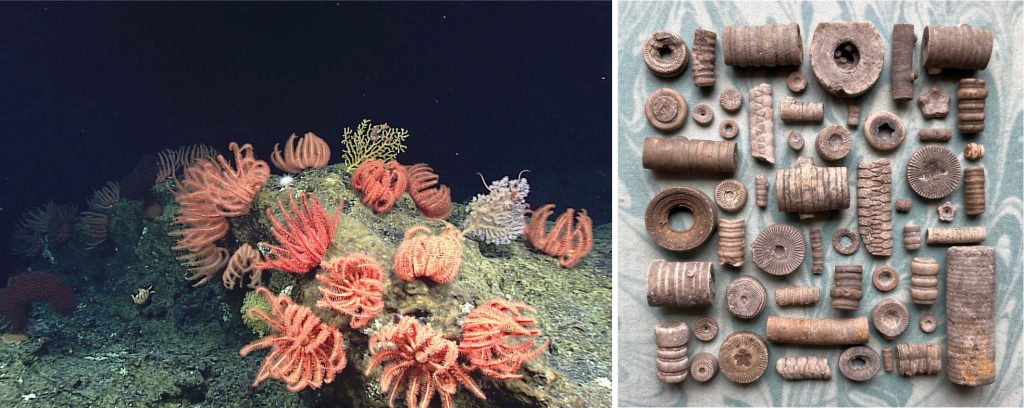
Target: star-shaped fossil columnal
{"points": [[743, 357]]}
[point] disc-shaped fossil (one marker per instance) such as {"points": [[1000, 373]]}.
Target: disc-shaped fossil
{"points": [[665, 109], [859, 363], [702, 114], [746, 297], [795, 140], [928, 323], [779, 249], [728, 129], [705, 329], [665, 54], [731, 195], [890, 317], [705, 218], [833, 142], [933, 172], [731, 100], [703, 366], [743, 357], [885, 278], [837, 241], [884, 130]]}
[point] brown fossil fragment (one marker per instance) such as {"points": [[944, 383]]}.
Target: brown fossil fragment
{"points": [[919, 359], [665, 54], [970, 99], [869, 366], [665, 110], [947, 211], [934, 104], [962, 47], [731, 242], [797, 295], [728, 129], [761, 190], [745, 297], [792, 110], [731, 100], [762, 128], [847, 287], [806, 189], [763, 46], [885, 278], [884, 130], [703, 366], [956, 235], [928, 323], [924, 281], [846, 57], [817, 332], [743, 357], [796, 81], [703, 115], [779, 249], [731, 195], [903, 72], [874, 206], [904, 204], [933, 172], [803, 368], [680, 284], [833, 142], [890, 317], [974, 151], [837, 241], [971, 315], [705, 329], [974, 190], [705, 218], [911, 237], [795, 140], [935, 134], [887, 362], [704, 57], [817, 252], [852, 115], [681, 155], [672, 362]]}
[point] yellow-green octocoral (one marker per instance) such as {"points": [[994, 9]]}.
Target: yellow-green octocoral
{"points": [[371, 141]]}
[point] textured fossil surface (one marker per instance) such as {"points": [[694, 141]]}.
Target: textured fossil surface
{"points": [[731, 100], [803, 368], [745, 297], [847, 289], [974, 190], [793, 110], [743, 357], [935, 134], [797, 295], [728, 129], [806, 189], [884, 130], [761, 190], [817, 252], [762, 128], [763, 46], [934, 104], [703, 366], [704, 57], [666, 110], [885, 278], [947, 211], [817, 331], [705, 328], [680, 284], [779, 249], [833, 142], [852, 114], [956, 235], [681, 155], [971, 315], [887, 361], [730, 195], [970, 103], [904, 205], [796, 82], [962, 47], [665, 54], [702, 114], [672, 362], [869, 366], [846, 57], [928, 323], [874, 205], [795, 140], [919, 359], [837, 241], [974, 151], [933, 172], [705, 218], [911, 237], [903, 72], [924, 281], [890, 317], [731, 242]]}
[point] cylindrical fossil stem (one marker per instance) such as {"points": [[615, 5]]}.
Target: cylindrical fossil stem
{"points": [[961, 47], [852, 115], [919, 359], [680, 284], [817, 332], [763, 46], [804, 368], [911, 237], [671, 360], [887, 362], [762, 127], [974, 190], [761, 190], [970, 100], [682, 155], [971, 315], [924, 281], [974, 151], [848, 287], [903, 72], [935, 134], [797, 295], [793, 110], [704, 57], [904, 204], [806, 189], [874, 206], [817, 252], [731, 241], [956, 235]]}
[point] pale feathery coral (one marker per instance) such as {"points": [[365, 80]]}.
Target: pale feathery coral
{"points": [[304, 352], [303, 235], [424, 254], [565, 241], [381, 142], [352, 286], [381, 183], [434, 200], [498, 217], [243, 262], [92, 228], [418, 361], [170, 161], [105, 197], [310, 152], [498, 338]]}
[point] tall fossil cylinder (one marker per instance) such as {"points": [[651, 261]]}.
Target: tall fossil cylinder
{"points": [[678, 154], [797, 295], [672, 360], [911, 237], [919, 359], [817, 252], [903, 72], [924, 281], [704, 57], [804, 368], [956, 235], [974, 190], [962, 47], [847, 289], [761, 190], [970, 100], [806, 189], [763, 46], [971, 315], [874, 206], [817, 332], [792, 110], [762, 127], [680, 284], [731, 241]]}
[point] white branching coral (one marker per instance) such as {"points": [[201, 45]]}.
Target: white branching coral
{"points": [[371, 141], [498, 217]]}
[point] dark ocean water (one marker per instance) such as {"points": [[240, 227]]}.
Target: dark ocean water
{"points": [[87, 90]]}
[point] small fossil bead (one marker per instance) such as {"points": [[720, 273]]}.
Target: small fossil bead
{"points": [[702, 114], [904, 204], [665, 54], [806, 189], [833, 142], [871, 363], [852, 115], [887, 362], [911, 237], [731, 242], [703, 367], [947, 211], [962, 47], [933, 172], [705, 329], [924, 281], [970, 99], [761, 190], [731, 100], [974, 190], [919, 359], [796, 81], [974, 151], [903, 73], [885, 278], [762, 128], [956, 235], [817, 252], [730, 195], [971, 315], [817, 332], [705, 218], [793, 110], [681, 155], [728, 129], [935, 134], [837, 241], [795, 140], [890, 317], [874, 205], [846, 57], [704, 57], [665, 110], [743, 357], [672, 362], [680, 284], [797, 295], [779, 249], [763, 46], [847, 289], [803, 368], [928, 323], [745, 297], [933, 104], [884, 130]]}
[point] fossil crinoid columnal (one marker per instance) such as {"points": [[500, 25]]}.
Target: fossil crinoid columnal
{"points": [[779, 249], [498, 217], [933, 172]]}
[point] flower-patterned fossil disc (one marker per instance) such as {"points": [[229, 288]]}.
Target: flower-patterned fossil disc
{"points": [[928, 323], [947, 211], [837, 241], [703, 366], [891, 317], [731, 100], [665, 54], [744, 357], [779, 249], [705, 218], [705, 329], [859, 372], [884, 130], [885, 278], [731, 195], [746, 297], [933, 172]]}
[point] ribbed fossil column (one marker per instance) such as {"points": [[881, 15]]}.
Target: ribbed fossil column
{"points": [[793, 110], [817, 332], [919, 359], [761, 190], [680, 284], [848, 287], [852, 115], [681, 155], [804, 368], [817, 252], [763, 46], [762, 128], [806, 189], [956, 235], [874, 206], [903, 72], [887, 361], [924, 281], [974, 190], [935, 134], [731, 241], [797, 295], [961, 47], [704, 57], [672, 362], [970, 100], [911, 237], [971, 315]]}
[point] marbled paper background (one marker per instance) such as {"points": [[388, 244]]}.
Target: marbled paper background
{"points": [[637, 385]]}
